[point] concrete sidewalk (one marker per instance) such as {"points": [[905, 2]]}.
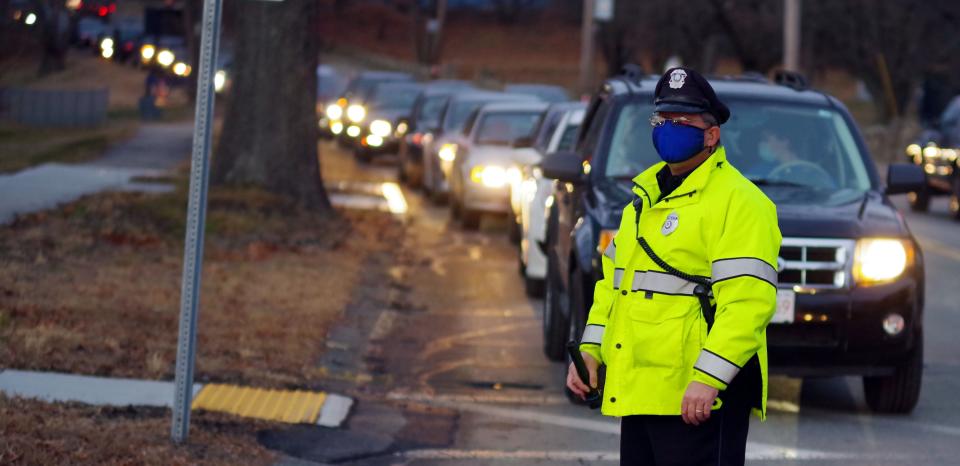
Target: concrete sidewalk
{"points": [[289, 406], [154, 150]]}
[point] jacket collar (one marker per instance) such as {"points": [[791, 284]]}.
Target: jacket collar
{"points": [[645, 184]]}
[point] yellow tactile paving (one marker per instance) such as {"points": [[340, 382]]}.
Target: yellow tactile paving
{"points": [[292, 406]]}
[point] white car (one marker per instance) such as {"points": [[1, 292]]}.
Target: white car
{"points": [[497, 145], [558, 133], [439, 146]]}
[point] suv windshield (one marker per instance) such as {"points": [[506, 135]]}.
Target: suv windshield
{"points": [[394, 97], [501, 129], [773, 144]]}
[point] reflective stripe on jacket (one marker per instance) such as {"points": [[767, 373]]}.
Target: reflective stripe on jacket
{"points": [[646, 325]]}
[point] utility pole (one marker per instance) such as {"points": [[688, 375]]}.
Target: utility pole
{"points": [[791, 35], [586, 48]]}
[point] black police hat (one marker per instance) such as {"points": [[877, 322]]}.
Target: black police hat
{"points": [[683, 90]]}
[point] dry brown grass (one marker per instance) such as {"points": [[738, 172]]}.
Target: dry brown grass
{"points": [[94, 287], [37, 433]]}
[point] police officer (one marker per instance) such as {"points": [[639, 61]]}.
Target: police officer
{"points": [[689, 285]]}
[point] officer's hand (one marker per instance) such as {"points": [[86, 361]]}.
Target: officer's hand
{"points": [[573, 379], [697, 403]]}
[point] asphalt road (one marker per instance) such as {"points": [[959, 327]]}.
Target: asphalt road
{"points": [[456, 357]]}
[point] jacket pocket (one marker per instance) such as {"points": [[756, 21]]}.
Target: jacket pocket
{"points": [[661, 330]]}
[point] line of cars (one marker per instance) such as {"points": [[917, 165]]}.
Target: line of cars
{"points": [[461, 144], [937, 150], [851, 279]]}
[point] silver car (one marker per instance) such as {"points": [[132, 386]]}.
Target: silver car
{"points": [[558, 133], [488, 162]]}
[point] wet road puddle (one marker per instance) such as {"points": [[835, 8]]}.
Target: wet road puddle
{"points": [[384, 197]]}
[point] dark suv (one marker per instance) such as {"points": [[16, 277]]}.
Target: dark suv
{"points": [[850, 295]]}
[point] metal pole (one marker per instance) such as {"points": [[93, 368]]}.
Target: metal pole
{"points": [[196, 216], [791, 35], [586, 48]]}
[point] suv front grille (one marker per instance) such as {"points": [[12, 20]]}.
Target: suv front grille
{"points": [[815, 263]]}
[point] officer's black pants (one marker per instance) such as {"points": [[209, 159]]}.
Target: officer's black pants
{"points": [[668, 441]]}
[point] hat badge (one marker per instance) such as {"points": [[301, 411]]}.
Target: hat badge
{"points": [[677, 78]]}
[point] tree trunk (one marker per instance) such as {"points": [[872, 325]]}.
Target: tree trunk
{"points": [[54, 23], [269, 136]]}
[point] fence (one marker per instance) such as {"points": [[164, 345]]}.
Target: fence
{"points": [[54, 108]]}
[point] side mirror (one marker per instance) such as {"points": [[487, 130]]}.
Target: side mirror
{"points": [[905, 178], [563, 166], [521, 143]]}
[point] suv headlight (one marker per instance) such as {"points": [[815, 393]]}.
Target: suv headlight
{"points": [[334, 112], [881, 260], [380, 128], [356, 113], [490, 176], [447, 152]]}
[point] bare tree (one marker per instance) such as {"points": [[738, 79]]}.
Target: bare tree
{"points": [[269, 136]]}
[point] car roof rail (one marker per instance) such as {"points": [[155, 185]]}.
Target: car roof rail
{"points": [[792, 79]]}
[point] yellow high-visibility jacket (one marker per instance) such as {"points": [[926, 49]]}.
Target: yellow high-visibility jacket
{"points": [[646, 325]]}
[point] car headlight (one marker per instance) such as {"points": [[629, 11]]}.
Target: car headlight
{"points": [[606, 236], [881, 260], [490, 176], [356, 113], [949, 154], [336, 127], [147, 52], [334, 112], [106, 43], [353, 131], [913, 150], [106, 53], [165, 58], [448, 152], [931, 151], [181, 69], [402, 128], [219, 80], [380, 128]]}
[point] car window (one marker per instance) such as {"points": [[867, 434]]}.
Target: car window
{"points": [[502, 129], [394, 97], [547, 127], [796, 146], [458, 112], [588, 144], [631, 146], [430, 111], [568, 139], [810, 146]]}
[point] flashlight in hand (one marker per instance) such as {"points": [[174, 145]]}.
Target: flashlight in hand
{"points": [[593, 396]]}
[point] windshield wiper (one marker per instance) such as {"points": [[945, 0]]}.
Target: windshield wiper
{"points": [[776, 182]]}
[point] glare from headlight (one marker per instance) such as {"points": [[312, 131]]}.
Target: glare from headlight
{"points": [[490, 176], [147, 52], [165, 58], [528, 189], [880, 260], [380, 128], [514, 176], [374, 141], [353, 131], [219, 80], [949, 154], [106, 53], [106, 43], [402, 128], [931, 151], [336, 127], [914, 150], [334, 112], [181, 69], [448, 152], [356, 113], [30, 20]]}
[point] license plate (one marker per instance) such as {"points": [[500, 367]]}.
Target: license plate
{"points": [[786, 305]]}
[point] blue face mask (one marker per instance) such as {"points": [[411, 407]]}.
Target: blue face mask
{"points": [[676, 143]]}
